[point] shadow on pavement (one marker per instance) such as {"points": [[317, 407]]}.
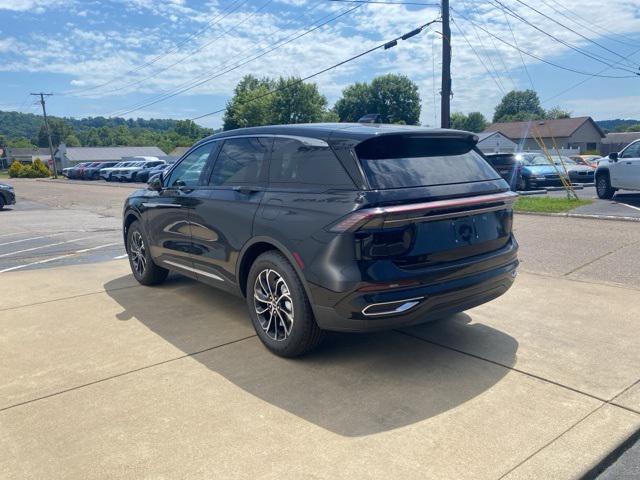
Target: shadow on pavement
{"points": [[353, 385]]}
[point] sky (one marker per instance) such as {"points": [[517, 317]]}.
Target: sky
{"points": [[182, 58]]}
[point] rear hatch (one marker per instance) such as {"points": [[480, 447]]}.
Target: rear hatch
{"points": [[432, 200]]}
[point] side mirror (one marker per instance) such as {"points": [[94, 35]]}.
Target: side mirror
{"points": [[155, 183], [613, 156]]}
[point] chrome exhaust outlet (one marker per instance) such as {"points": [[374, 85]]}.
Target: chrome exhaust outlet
{"points": [[390, 308]]}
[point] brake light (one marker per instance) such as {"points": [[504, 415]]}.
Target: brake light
{"points": [[358, 218]]}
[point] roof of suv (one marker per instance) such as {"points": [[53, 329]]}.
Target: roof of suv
{"points": [[324, 131]]}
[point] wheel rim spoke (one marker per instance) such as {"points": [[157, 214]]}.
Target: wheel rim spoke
{"points": [[273, 304], [137, 253]]}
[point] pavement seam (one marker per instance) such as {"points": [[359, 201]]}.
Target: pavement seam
{"points": [[564, 432], [528, 374], [122, 374], [579, 280], [80, 295], [599, 258], [614, 218]]}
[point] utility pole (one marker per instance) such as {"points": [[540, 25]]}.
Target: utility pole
{"points": [[46, 124], [445, 100]]}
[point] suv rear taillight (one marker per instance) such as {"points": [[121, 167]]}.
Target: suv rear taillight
{"points": [[398, 215]]}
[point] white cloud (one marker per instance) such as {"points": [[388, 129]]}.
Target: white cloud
{"points": [[38, 6], [113, 53]]}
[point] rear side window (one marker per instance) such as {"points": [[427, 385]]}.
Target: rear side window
{"points": [[402, 161], [240, 161], [312, 164]]}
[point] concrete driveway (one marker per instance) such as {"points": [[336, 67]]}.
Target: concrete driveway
{"points": [[108, 379]]}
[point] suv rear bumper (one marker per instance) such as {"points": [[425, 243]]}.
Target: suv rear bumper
{"points": [[434, 292], [435, 301]]}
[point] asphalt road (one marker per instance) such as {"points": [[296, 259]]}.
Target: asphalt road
{"points": [[623, 204]]}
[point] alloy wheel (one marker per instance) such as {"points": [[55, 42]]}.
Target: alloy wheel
{"points": [[273, 304], [137, 253]]}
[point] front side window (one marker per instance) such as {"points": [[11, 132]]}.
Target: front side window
{"points": [[632, 151], [312, 164], [187, 173], [241, 161]]}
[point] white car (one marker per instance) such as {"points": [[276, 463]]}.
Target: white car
{"points": [[105, 173], [619, 171], [129, 173]]}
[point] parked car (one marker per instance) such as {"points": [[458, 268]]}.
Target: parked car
{"points": [[537, 171], [619, 171], [578, 172], [146, 175], [105, 173], [93, 172], [346, 227], [588, 160], [72, 172], [7, 195], [507, 165], [80, 172], [130, 172]]}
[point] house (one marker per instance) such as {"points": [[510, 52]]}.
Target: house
{"points": [[580, 133], [615, 142], [26, 155], [69, 156], [495, 142]]}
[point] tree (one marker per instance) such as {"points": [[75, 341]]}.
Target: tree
{"points": [[20, 142], [557, 112], [72, 141], [250, 105], [59, 131], [355, 102], [296, 102], [395, 97], [519, 105], [474, 122]]}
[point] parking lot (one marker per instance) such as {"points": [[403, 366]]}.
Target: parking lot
{"points": [[623, 204], [104, 378]]}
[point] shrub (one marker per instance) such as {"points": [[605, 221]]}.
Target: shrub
{"points": [[15, 169], [40, 168]]}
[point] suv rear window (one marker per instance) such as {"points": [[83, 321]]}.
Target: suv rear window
{"points": [[402, 161]]}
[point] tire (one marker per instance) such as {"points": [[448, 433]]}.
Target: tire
{"points": [[520, 183], [1, 202], [603, 187], [133, 178], [271, 272], [142, 265]]}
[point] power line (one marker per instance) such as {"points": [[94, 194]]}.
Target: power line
{"points": [[388, 2], [548, 62], [515, 40], [491, 74], [593, 56], [214, 21], [191, 54], [202, 79], [573, 31], [386, 45]]}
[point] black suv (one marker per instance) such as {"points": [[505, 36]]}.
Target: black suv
{"points": [[345, 227]]}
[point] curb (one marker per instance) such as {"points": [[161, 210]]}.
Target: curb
{"points": [[583, 215]]}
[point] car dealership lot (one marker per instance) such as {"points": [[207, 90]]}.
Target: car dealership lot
{"points": [[104, 378]]}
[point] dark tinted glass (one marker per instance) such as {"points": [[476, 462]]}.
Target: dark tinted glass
{"points": [[632, 151], [240, 161], [188, 172], [397, 162], [306, 164]]}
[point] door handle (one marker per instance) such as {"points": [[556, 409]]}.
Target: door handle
{"points": [[628, 163], [246, 190]]}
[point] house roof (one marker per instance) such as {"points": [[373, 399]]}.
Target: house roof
{"points": [[26, 152], [621, 137], [558, 128], [484, 135], [98, 154]]}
